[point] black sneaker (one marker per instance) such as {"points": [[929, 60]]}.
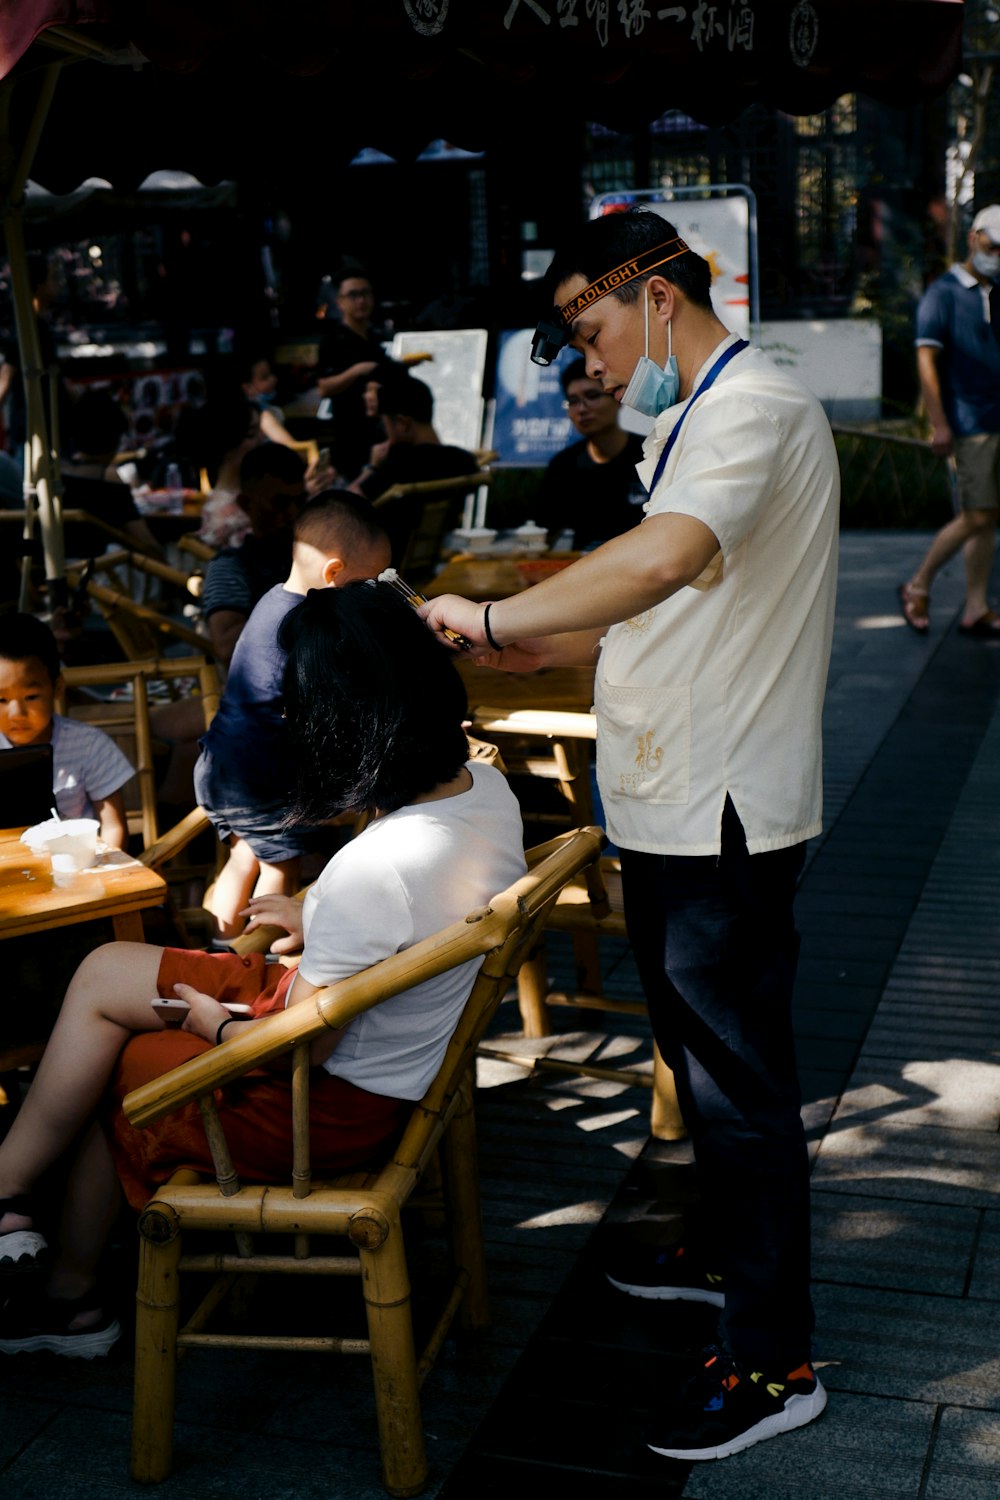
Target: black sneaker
{"points": [[726, 1409], [31, 1325], [668, 1272]]}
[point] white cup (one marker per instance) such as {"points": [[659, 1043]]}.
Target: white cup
{"points": [[72, 844]]}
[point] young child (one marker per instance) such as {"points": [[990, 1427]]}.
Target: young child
{"points": [[88, 769], [245, 774]]}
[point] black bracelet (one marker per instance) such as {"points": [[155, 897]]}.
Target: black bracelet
{"points": [[224, 1023], [486, 628]]}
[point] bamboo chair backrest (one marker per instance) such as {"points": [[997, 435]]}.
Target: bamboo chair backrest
{"points": [[126, 719], [432, 503], [501, 934]]}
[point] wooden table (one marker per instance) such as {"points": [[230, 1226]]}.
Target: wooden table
{"points": [[118, 887], [483, 578]]}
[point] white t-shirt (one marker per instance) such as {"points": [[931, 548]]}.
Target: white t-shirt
{"points": [[87, 766], [406, 876], [720, 687]]}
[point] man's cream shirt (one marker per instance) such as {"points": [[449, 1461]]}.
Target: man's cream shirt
{"points": [[720, 688]]}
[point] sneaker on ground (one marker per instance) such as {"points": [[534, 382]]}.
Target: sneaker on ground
{"points": [[31, 1326], [668, 1272], [727, 1408]]}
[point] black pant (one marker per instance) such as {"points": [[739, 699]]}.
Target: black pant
{"points": [[716, 947]]}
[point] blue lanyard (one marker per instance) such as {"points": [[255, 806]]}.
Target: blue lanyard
{"points": [[717, 368]]}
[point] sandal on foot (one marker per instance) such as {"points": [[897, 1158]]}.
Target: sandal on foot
{"points": [[20, 1249], [44, 1323], [986, 628], [914, 604]]}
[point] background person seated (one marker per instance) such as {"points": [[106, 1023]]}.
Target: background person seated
{"points": [[591, 488], [412, 452], [90, 482], [272, 490]]}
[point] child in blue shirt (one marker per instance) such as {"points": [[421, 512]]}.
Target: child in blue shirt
{"points": [[245, 775]]}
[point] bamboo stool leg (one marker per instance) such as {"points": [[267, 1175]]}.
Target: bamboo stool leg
{"points": [[532, 992], [461, 1169], [390, 1331], [157, 1310], [666, 1120]]}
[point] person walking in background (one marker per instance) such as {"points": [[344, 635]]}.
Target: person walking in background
{"points": [[958, 362]]}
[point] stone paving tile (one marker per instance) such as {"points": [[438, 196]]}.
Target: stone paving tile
{"points": [[985, 1282], [913, 1346], [909, 1246], [921, 1162], [965, 1459]]}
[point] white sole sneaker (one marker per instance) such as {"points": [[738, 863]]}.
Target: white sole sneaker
{"points": [[88, 1344], [669, 1293], [796, 1412], [21, 1250]]}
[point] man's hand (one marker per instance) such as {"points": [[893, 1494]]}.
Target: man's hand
{"points": [[276, 911], [450, 612]]}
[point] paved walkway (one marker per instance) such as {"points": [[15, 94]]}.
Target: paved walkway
{"points": [[896, 1012]]}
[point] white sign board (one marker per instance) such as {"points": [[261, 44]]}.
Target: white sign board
{"points": [[455, 374]]}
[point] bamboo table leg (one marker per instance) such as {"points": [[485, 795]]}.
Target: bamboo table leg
{"points": [[128, 927]]}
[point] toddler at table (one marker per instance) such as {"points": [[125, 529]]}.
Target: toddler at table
{"points": [[245, 775], [88, 769]]}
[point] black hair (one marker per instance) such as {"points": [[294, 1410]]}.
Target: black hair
{"points": [[601, 245], [350, 270], [374, 702], [575, 370], [403, 396], [272, 461], [337, 518], [97, 423], [24, 635], [206, 434]]}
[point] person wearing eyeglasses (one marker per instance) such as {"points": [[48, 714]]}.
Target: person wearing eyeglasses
{"points": [[350, 356], [591, 488]]}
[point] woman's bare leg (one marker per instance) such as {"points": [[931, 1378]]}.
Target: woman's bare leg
{"points": [[108, 999]]}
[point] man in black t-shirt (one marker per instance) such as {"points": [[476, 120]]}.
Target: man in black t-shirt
{"points": [[591, 487], [411, 453], [350, 356]]}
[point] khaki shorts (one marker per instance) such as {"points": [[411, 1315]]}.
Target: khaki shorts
{"points": [[977, 472]]}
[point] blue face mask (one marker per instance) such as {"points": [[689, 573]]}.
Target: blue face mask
{"points": [[652, 389]]}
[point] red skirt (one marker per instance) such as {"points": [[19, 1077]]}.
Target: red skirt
{"points": [[350, 1128]]}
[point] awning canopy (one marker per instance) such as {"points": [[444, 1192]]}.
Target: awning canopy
{"points": [[299, 88]]}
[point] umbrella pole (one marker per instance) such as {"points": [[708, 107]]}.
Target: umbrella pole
{"points": [[41, 469]]}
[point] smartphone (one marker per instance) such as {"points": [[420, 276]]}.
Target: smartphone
{"points": [[172, 1012], [323, 461]]}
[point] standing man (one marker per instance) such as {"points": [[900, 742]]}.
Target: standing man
{"points": [[350, 356], [958, 362], [714, 621], [591, 487]]}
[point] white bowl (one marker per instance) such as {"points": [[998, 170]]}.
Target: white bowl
{"points": [[72, 842]]}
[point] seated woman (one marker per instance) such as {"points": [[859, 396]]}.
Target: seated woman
{"points": [[376, 707]]}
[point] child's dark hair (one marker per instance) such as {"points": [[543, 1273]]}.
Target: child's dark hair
{"points": [[374, 702], [23, 635]]}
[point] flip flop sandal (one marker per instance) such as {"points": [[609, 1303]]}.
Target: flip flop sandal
{"points": [[20, 1249], [914, 604], [986, 628]]}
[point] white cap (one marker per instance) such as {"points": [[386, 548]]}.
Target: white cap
{"points": [[988, 220]]}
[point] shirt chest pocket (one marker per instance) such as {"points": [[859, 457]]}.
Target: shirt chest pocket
{"points": [[643, 742]]}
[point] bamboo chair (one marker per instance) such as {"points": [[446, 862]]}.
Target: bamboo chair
{"points": [[555, 746], [364, 1210], [141, 631], [432, 504]]}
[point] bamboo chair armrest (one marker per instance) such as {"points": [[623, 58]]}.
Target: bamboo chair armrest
{"points": [[333, 1007], [107, 674], [431, 486], [176, 839]]}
